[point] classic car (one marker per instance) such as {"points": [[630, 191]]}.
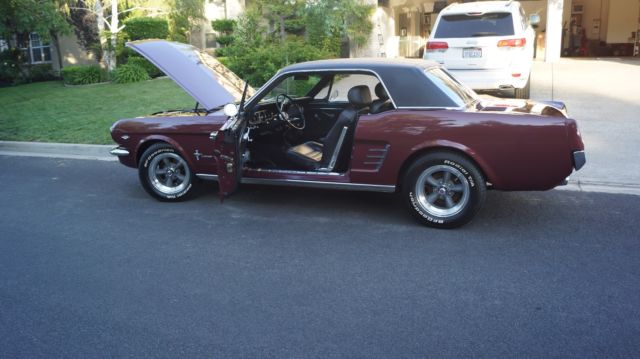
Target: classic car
{"points": [[385, 125]]}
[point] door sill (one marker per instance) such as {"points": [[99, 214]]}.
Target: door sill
{"points": [[309, 183]]}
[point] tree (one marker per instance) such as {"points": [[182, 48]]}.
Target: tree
{"points": [[85, 26], [109, 26], [329, 22], [185, 15], [278, 12], [31, 16]]}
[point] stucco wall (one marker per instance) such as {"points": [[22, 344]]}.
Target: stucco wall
{"points": [[72, 53]]}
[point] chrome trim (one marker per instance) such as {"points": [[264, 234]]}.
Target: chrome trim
{"points": [[321, 184], [376, 156], [206, 176], [294, 172], [309, 184], [119, 151], [278, 75], [430, 108], [336, 151]]}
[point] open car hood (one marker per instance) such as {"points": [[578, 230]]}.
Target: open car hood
{"points": [[203, 77]]}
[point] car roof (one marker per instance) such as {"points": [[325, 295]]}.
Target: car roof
{"points": [[371, 64], [479, 6]]}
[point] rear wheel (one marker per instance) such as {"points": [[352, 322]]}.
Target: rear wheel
{"points": [[444, 189], [165, 174], [524, 92]]}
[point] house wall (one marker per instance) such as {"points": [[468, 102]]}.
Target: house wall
{"points": [[71, 52]]}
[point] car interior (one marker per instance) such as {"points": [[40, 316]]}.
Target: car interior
{"points": [[306, 122]]}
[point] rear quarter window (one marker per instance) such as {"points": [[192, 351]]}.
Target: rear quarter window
{"points": [[463, 25]]}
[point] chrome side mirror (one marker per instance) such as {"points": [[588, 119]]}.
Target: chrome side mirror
{"points": [[230, 109]]}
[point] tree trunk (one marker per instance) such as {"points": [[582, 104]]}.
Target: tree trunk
{"points": [[114, 34], [283, 34], [103, 40], [56, 44]]}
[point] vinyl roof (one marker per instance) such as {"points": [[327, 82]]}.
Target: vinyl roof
{"points": [[374, 64]]}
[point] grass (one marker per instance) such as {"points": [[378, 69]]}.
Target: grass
{"points": [[50, 112]]}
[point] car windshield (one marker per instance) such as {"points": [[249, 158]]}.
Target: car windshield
{"points": [[463, 25], [457, 92], [293, 86]]}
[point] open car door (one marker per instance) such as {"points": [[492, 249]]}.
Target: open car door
{"points": [[228, 148]]}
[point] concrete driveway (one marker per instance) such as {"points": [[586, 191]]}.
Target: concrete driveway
{"points": [[603, 94]]}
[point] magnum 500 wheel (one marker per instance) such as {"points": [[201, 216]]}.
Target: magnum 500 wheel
{"points": [[444, 189], [164, 174]]}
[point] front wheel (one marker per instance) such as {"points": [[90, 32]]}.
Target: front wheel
{"points": [[444, 190], [164, 173]]}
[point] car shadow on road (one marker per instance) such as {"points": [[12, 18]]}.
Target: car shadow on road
{"points": [[521, 210]]}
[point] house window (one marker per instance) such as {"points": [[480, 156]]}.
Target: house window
{"points": [[34, 50]]}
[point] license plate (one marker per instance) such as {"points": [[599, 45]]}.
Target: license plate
{"points": [[471, 53]]}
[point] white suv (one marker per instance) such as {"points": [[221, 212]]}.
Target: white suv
{"points": [[487, 45]]}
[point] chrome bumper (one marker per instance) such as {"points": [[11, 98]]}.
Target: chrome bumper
{"points": [[579, 159], [119, 151]]}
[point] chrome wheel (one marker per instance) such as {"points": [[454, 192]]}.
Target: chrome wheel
{"points": [[168, 173], [442, 191]]}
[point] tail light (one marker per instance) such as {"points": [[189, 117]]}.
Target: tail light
{"points": [[512, 43], [437, 45]]}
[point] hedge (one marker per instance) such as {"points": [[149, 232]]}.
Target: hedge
{"points": [[151, 69], [140, 28]]}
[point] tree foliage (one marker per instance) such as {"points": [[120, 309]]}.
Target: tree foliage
{"points": [[183, 17], [23, 16], [294, 31], [85, 26]]}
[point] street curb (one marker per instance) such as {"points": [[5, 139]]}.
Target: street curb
{"points": [[101, 153], [57, 150]]}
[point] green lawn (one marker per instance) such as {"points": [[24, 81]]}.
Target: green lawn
{"points": [[50, 112]]}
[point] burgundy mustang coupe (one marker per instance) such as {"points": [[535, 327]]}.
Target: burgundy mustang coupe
{"points": [[352, 124]]}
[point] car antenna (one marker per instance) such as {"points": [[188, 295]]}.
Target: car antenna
{"points": [[244, 94]]}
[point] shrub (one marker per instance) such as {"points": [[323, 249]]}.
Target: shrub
{"points": [[10, 67], [129, 73], [224, 26], [150, 68], [140, 28], [82, 75], [221, 52], [41, 72], [224, 40]]}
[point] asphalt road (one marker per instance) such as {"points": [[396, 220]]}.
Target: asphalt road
{"points": [[90, 266]]}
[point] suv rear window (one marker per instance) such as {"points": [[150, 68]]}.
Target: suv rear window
{"points": [[489, 24]]}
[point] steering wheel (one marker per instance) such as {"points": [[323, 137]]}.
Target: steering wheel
{"points": [[295, 118]]}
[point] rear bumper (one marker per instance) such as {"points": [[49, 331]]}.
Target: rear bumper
{"points": [[490, 79], [579, 159]]}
